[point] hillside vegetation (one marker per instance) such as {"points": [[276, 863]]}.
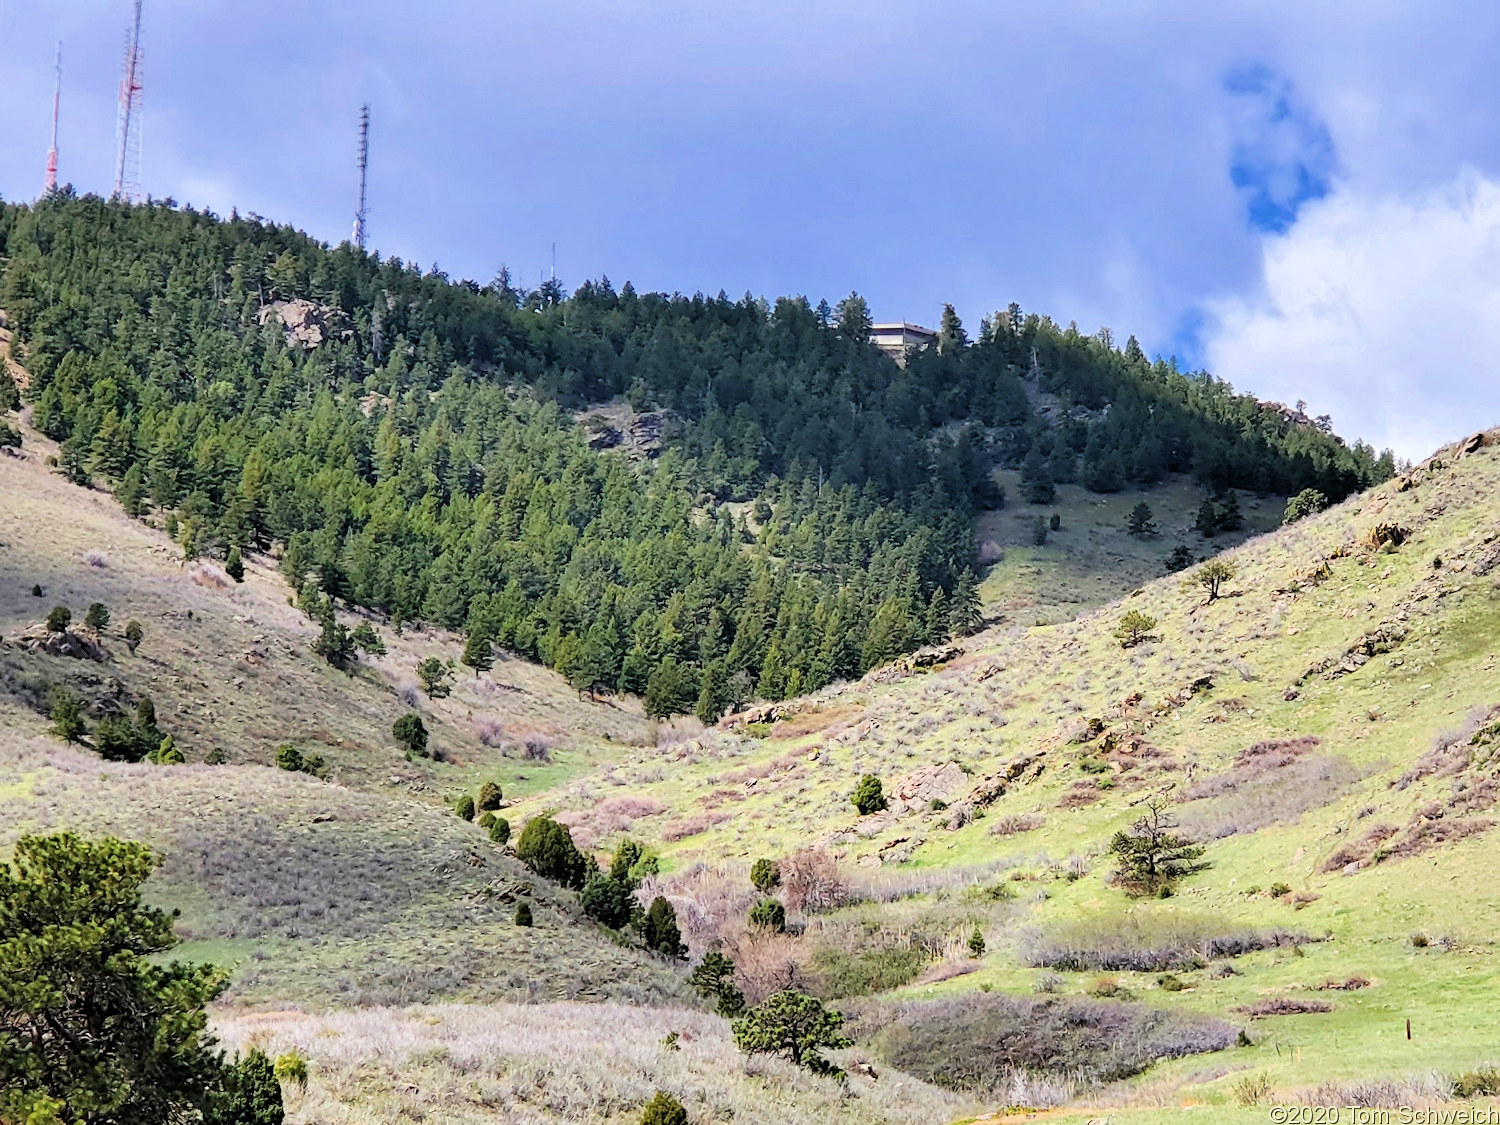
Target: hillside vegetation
{"points": [[407, 442]]}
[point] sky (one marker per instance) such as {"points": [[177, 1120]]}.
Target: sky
{"points": [[1302, 198]]}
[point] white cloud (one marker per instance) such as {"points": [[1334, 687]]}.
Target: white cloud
{"points": [[1383, 311]]}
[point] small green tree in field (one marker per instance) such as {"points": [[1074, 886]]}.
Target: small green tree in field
{"points": [[713, 979], [765, 875], [794, 1027], [291, 1069], [1039, 532], [663, 1109], [1140, 524], [1207, 522], [607, 900], [1152, 857], [499, 830], [434, 676], [489, 797], [66, 714], [1180, 559], [134, 634], [547, 848], [234, 565], [59, 617], [622, 865], [463, 808], [1308, 502], [659, 930], [289, 758], [1134, 628], [868, 796], [409, 731], [367, 640], [523, 914], [1213, 576], [976, 943], [479, 652], [97, 617]]}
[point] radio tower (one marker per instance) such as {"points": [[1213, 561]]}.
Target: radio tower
{"points": [[51, 184], [128, 127], [358, 237]]}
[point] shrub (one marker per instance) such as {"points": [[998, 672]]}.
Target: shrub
{"points": [[622, 866], [36, 590], [486, 820], [547, 848], [607, 900], [1308, 502], [979, 1042], [976, 943], [1481, 1083], [1145, 942], [1251, 1090], [59, 617], [411, 733], [133, 635], [499, 830], [765, 875], [1284, 1006], [291, 1068], [463, 808], [768, 914], [659, 930], [713, 979], [234, 565], [663, 1109], [249, 1093], [812, 881], [66, 714], [434, 675], [794, 1027], [1039, 532], [1169, 983], [97, 617], [167, 753], [1151, 856], [1280, 890], [1013, 824], [288, 757], [523, 913], [1134, 628], [868, 796], [874, 967], [489, 797], [1055, 523]]}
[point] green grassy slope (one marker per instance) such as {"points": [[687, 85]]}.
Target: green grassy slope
{"points": [[1275, 651]]}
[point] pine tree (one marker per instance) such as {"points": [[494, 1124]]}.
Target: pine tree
{"points": [[478, 652], [1140, 524], [965, 617]]}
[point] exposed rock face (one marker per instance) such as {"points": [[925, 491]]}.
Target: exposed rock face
{"points": [[918, 789], [76, 645], [304, 323]]}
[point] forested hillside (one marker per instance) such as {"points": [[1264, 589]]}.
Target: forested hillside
{"points": [[809, 517]]}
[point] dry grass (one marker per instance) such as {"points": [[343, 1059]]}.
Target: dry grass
{"points": [[587, 1063]]}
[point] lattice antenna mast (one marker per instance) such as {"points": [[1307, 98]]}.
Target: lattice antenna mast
{"points": [[51, 184], [364, 161], [128, 129]]}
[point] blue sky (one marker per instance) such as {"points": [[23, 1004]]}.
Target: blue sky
{"points": [[1274, 189]]}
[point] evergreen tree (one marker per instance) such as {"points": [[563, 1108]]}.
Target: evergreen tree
{"points": [[1140, 523], [965, 617], [478, 653], [1207, 522], [713, 979], [234, 565], [1152, 857], [793, 1027], [659, 929]]}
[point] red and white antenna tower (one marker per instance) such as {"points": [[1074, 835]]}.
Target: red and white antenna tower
{"points": [[128, 126], [51, 184]]}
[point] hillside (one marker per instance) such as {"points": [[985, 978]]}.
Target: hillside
{"points": [[1324, 727], [1055, 734], [410, 443]]}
